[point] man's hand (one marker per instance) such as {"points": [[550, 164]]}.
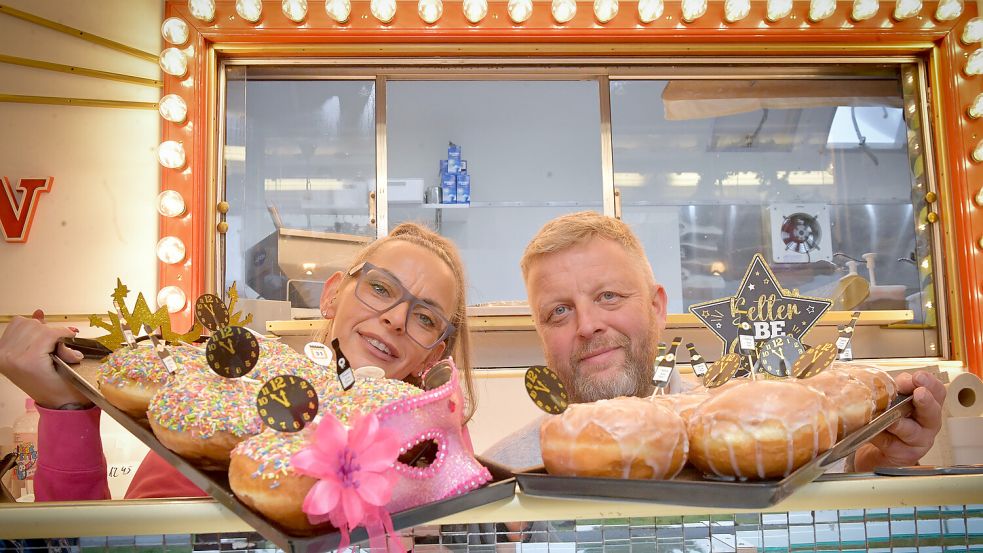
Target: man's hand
{"points": [[25, 358], [909, 439]]}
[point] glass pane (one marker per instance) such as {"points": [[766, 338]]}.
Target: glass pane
{"points": [[299, 167], [819, 176], [532, 152]]}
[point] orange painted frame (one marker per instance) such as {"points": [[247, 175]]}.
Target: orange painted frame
{"points": [[709, 37]]}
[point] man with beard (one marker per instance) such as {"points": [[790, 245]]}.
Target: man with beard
{"points": [[599, 313]]}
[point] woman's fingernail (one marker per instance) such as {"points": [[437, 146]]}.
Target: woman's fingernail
{"points": [[73, 329]]}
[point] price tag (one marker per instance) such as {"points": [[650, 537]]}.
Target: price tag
{"points": [[287, 403], [696, 361], [319, 353], [162, 352], [232, 352], [345, 374], [211, 312], [814, 360], [723, 370], [545, 389], [124, 326], [666, 364]]}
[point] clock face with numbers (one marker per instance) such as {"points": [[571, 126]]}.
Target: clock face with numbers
{"points": [[232, 351], [815, 360], [287, 403], [211, 312], [723, 370], [778, 354], [545, 389]]}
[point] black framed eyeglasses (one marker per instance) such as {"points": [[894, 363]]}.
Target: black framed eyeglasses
{"points": [[381, 291]]}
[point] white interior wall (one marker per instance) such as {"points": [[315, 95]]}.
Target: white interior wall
{"points": [[98, 222]]}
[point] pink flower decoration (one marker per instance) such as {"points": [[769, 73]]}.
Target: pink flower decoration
{"points": [[354, 472]]}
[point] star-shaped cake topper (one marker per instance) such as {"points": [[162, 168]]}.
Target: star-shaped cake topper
{"points": [[771, 310]]}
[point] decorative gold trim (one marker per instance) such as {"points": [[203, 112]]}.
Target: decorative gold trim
{"points": [[202, 516], [949, 313], [85, 102], [74, 70], [52, 317], [485, 323], [88, 37]]}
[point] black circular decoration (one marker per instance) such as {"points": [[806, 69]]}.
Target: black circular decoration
{"points": [[232, 351], [801, 233], [723, 370], [546, 390], [815, 360], [779, 354], [211, 312], [287, 403]]}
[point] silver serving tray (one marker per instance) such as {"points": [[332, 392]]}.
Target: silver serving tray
{"points": [[216, 483], [690, 488]]}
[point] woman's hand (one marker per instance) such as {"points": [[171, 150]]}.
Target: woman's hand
{"points": [[25, 358], [909, 439]]}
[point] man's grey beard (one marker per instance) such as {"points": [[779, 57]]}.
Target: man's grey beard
{"points": [[635, 378]]}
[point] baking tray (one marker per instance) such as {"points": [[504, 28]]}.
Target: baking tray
{"points": [[216, 483], [690, 488]]}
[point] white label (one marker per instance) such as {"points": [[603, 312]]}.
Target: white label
{"points": [[847, 354], [842, 342], [347, 379], [662, 375], [169, 363], [747, 342], [700, 369], [319, 353]]}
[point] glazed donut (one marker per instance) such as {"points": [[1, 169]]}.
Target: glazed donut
{"points": [[760, 430], [625, 437], [684, 404], [130, 377], [852, 399], [201, 417], [260, 473], [879, 382]]}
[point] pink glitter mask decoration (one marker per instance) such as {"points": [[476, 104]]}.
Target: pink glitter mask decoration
{"points": [[434, 415]]}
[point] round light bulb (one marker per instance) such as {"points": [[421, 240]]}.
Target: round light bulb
{"points": [[383, 10], [170, 250], [947, 10], [974, 65], [778, 9], [821, 9], [864, 9], [173, 108], [173, 298], [339, 10], [973, 31], [170, 203], [693, 10], [430, 10], [978, 152], [563, 10], [475, 10], [295, 10], [736, 10], [519, 10], [170, 154], [650, 10], [605, 10], [905, 9], [175, 30], [203, 10], [976, 109], [174, 62], [250, 10], [979, 198]]}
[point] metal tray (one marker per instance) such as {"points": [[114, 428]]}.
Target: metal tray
{"points": [[216, 483], [690, 488]]}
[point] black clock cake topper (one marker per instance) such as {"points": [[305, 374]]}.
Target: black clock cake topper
{"points": [[761, 302]]}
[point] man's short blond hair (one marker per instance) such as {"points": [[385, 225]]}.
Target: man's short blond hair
{"points": [[567, 231]]}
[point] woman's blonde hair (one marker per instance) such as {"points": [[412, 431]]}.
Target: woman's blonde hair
{"points": [[459, 343]]}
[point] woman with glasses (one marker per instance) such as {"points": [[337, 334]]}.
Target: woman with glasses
{"points": [[400, 307]]}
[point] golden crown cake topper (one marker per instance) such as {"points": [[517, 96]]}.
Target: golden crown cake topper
{"points": [[141, 315]]}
